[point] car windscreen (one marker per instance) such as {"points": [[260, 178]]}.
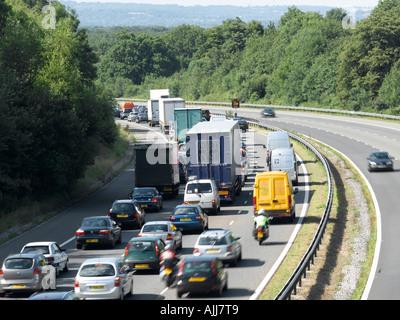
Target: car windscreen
{"points": [[143, 192], [141, 246], [380, 155], [212, 240], [155, 228], [97, 270], [204, 187], [18, 263], [36, 249], [190, 210], [95, 223], [123, 207]]}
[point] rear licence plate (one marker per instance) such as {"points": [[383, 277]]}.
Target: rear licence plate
{"points": [[197, 279], [213, 250], [122, 215], [92, 240], [185, 219], [18, 286], [222, 192], [97, 287], [141, 265], [144, 205], [194, 202]]}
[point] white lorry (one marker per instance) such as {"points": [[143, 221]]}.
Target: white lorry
{"points": [[166, 107], [153, 105]]}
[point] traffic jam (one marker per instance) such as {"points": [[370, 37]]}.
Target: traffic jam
{"points": [[203, 164]]}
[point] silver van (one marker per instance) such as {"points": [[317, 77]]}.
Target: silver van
{"points": [[203, 192], [277, 140], [285, 160]]}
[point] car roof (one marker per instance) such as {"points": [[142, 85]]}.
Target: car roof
{"points": [[96, 217], [57, 295], [24, 255], [215, 231], [187, 206], [200, 258], [144, 239], [158, 222], [124, 201], [39, 243], [101, 260]]}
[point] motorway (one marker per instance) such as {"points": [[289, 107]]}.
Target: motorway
{"points": [[243, 280], [354, 137], [357, 138]]}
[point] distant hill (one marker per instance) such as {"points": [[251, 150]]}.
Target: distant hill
{"points": [[97, 14]]}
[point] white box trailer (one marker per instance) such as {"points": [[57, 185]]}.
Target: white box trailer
{"points": [[166, 109], [153, 103]]}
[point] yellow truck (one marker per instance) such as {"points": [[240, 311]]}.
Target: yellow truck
{"points": [[274, 192]]}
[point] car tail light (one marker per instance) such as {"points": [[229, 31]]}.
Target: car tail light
{"points": [[1, 272], [117, 282], [76, 283], [104, 231], [136, 215], [172, 218], [229, 249], [212, 201], [213, 268], [196, 250], [180, 269], [80, 232], [139, 235], [157, 249], [255, 203], [169, 236], [154, 199], [185, 202], [109, 213], [36, 271], [50, 259], [290, 202], [127, 249], [198, 217]]}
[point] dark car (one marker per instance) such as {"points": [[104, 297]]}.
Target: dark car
{"points": [[98, 230], [202, 274], [143, 116], [243, 125], [267, 112], [58, 295], [147, 197], [380, 160], [205, 113], [127, 212], [189, 216], [144, 253]]}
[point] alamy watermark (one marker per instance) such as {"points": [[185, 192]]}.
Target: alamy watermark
{"points": [[49, 20]]}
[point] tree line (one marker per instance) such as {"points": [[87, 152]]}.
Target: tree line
{"points": [[53, 114], [307, 59]]}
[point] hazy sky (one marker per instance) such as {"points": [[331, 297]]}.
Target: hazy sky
{"points": [[333, 3]]}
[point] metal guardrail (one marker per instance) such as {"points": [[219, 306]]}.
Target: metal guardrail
{"points": [[295, 279]]}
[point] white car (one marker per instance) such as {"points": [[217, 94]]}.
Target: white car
{"points": [[104, 278], [165, 230], [203, 192], [55, 256]]}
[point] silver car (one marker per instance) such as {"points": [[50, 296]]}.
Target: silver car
{"points": [[103, 278], [221, 243], [52, 251], [26, 272], [165, 230]]}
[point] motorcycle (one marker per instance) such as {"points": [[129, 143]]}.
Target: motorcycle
{"points": [[168, 270], [261, 233]]}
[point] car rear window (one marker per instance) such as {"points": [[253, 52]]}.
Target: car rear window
{"points": [[141, 246], [212, 240], [95, 223], [36, 249], [196, 266], [204, 187], [179, 211], [97, 270], [123, 207], [144, 192], [155, 228], [19, 263]]}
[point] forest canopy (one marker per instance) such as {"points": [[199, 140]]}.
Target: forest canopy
{"points": [[53, 114], [307, 59]]}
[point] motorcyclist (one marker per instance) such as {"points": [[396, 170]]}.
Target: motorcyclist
{"points": [[260, 220]]}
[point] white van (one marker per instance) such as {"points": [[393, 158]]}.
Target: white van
{"points": [[285, 160], [203, 192], [277, 140]]}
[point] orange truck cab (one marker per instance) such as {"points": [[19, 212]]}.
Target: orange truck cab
{"points": [[273, 191]]}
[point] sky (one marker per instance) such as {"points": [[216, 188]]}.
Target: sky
{"points": [[331, 3]]}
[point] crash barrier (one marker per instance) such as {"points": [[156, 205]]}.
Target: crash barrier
{"points": [[300, 272]]}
